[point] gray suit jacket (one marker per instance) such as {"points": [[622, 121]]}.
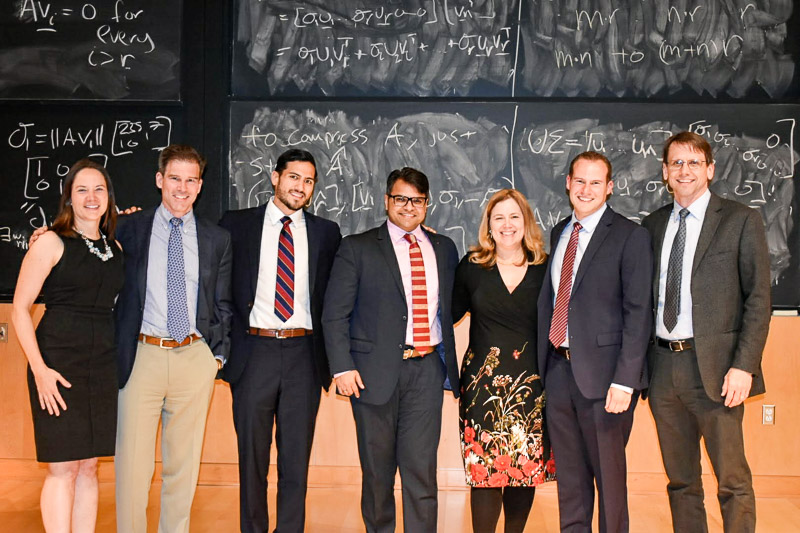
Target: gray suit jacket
{"points": [[730, 291]]}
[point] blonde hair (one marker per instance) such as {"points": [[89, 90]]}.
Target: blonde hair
{"points": [[485, 253]]}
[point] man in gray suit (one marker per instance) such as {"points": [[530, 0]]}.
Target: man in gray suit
{"points": [[712, 295]]}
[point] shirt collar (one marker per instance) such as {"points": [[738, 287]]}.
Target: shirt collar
{"points": [[164, 216], [697, 208], [590, 222], [396, 233], [274, 214]]}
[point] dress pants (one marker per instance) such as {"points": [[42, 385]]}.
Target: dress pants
{"points": [[589, 448], [176, 386], [404, 432], [278, 387], [683, 413]]}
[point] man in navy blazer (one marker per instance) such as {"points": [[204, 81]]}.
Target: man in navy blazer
{"points": [[594, 327], [278, 363], [162, 377], [392, 371]]}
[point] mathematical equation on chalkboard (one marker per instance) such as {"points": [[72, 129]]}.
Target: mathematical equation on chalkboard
{"points": [[471, 151], [124, 49], [514, 47], [38, 157]]}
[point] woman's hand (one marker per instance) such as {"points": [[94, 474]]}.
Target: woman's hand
{"points": [[47, 381]]}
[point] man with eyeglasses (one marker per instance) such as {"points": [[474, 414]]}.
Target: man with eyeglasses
{"points": [[712, 294], [391, 347]]}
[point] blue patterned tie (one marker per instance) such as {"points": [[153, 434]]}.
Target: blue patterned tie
{"points": [[672, 291], [177, 309], [284, 278]]}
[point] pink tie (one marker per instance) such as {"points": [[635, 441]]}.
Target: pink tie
{"points": [[558, 325]]}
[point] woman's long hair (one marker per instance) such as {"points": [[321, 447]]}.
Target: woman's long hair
{"points": [[485, 252], [65, 219]]}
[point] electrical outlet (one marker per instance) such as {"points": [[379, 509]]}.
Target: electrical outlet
{"points": [[4, 332], [768, 415]]}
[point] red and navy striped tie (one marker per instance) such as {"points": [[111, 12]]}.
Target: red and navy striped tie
{"points": [[284, 279]]}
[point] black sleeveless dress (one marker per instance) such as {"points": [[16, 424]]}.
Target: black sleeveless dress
{"points": [[76, 338]]}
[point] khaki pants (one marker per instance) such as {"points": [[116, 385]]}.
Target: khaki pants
{"points": [[175, 385]]}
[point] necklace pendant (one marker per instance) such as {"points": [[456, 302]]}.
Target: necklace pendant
{"points": [[103, 256]]}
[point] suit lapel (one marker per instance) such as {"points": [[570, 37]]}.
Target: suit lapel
{"points": [[387, 248], [313, 250], [600, 233], [254, 235], [143, 233], [659, 230], [710, 223], [555, 235], [204, 258]]}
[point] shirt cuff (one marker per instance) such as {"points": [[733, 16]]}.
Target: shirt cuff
{"points": [[339, 374], [629, 390]]}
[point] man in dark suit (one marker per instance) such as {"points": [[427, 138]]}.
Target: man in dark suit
{"points": [[712, 295], [390, 343], [282, 257], [594, 325], [173, 319]]}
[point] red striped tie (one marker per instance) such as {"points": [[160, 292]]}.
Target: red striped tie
{"points": [[558, 325], [284, 278], [419, 297]]}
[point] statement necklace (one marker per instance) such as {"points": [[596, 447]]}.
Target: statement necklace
{"points": [[104, 256]]}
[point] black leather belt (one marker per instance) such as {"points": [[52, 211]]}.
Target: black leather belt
{"points": [[680, 345], [563, 351]]}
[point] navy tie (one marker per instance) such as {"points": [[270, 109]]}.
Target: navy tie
{"points": [[284, 278], [177, 309], [672, 291]]}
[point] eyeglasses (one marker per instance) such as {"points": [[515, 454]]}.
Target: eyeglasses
{"points": [[694, 164], [401, 201]]}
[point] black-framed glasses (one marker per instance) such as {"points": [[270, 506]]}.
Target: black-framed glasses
{"points": [[401, 201], [677, 164]]}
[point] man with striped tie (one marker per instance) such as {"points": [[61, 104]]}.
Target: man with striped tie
{"points": [[390, 343], [282, 257], [594, 327]]}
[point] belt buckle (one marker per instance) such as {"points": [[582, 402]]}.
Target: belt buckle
{"points": [[279, 334], [676, 346], [567, 355], [408, 353], [161, 343]]}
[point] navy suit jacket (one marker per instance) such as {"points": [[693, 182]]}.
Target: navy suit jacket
{"points": [[610, 311], [246, 227], [365, 316], [214, 307]]}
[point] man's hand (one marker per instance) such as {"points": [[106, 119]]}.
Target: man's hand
{"points": [[617, 400], [131, 209], [38, 232], [349, 383], [736, 386]]}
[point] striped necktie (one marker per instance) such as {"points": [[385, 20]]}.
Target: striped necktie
{"points": [[558, 325], [284, 278], [419, 297]]}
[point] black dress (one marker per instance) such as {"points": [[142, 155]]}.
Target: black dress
{"points": [[76, 338], [502, 400]]}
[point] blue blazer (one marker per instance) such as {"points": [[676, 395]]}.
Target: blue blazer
{"points": [[214, 306], [246, 227], [365, 316], [610, 311]]}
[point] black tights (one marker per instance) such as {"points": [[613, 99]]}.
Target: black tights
{"points": [[486, 503]]}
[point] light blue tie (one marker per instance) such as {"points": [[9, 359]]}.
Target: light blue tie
{"points": [[177, 310]]}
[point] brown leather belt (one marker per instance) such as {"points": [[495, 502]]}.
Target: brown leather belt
{"points": [[676, 346], [563, 351], [279, 333], [168, 343], [410, 352]]}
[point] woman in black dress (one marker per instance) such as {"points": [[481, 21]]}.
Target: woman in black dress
{"points": [[72, 380], [505, 450]]}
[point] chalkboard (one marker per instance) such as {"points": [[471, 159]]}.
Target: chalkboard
{"points": [[39, 146], [90, 49], [593, 48], [469, 150]]}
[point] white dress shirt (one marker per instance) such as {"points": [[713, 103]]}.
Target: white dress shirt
{"points": [[263, 313], [694, 223]]}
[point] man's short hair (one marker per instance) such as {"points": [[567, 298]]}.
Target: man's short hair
{"points": [[411, 176], [592, 156], [695, 141], [180, 152], [295, 154]]}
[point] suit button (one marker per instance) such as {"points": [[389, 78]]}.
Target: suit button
{"points": [[400, 346], [249, 305], [405, 318]]}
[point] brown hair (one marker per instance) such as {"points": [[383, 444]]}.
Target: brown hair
{"points": [[180, 152], [65, 219], [485, 254], [691, 139], [592, 156]]}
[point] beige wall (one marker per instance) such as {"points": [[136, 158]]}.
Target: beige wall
{"points": [[770, 449]]}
